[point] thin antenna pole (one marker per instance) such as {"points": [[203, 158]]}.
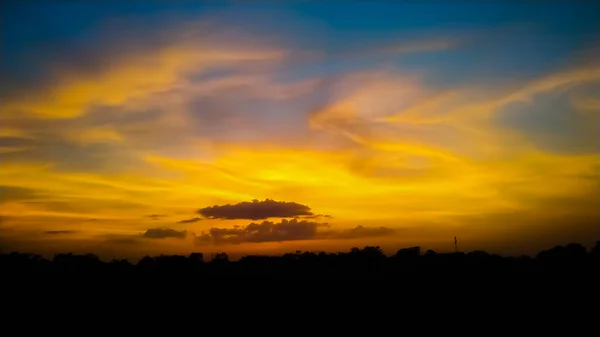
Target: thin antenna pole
{"points": [[455, 245]]}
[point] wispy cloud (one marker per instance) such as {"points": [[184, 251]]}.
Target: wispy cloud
{"points": [[191, 220]]}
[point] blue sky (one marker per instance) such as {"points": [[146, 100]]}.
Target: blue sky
{"points": [[529, 36]]}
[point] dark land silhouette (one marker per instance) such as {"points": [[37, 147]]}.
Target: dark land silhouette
{"points": [[369, 262]]}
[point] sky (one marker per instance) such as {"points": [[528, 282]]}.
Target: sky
{"points": [[263, 127]]}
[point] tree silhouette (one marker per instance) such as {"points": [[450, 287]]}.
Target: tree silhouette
{"points": [[370, 262]]}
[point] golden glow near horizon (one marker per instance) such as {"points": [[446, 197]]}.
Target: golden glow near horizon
{"points": [[96, 159]]}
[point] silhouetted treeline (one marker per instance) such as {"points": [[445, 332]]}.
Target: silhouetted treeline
{"points": [[369, 262]]}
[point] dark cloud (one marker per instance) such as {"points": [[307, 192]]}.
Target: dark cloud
{"points": [[190, 220], [163, 233], [362, 232], [256, 210], [156, 216], [286, 230], [267, 231], [59, 232]]}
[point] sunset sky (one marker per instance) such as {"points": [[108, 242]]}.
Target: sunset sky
{"points": [[133, 128]]}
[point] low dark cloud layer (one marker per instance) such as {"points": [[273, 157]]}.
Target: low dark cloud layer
{"points": [[363, 232], [286, 230], [267, 231], [256, 210], [190, 220], [59, 232], [164, 233], [316, 216]]}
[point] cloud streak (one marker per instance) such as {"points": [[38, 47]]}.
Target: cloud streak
{"points": [[192, 220], [361, 232], [156, 216], [60, 232]]}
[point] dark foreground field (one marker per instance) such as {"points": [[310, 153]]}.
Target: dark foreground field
{"points": [[367, 263]]}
